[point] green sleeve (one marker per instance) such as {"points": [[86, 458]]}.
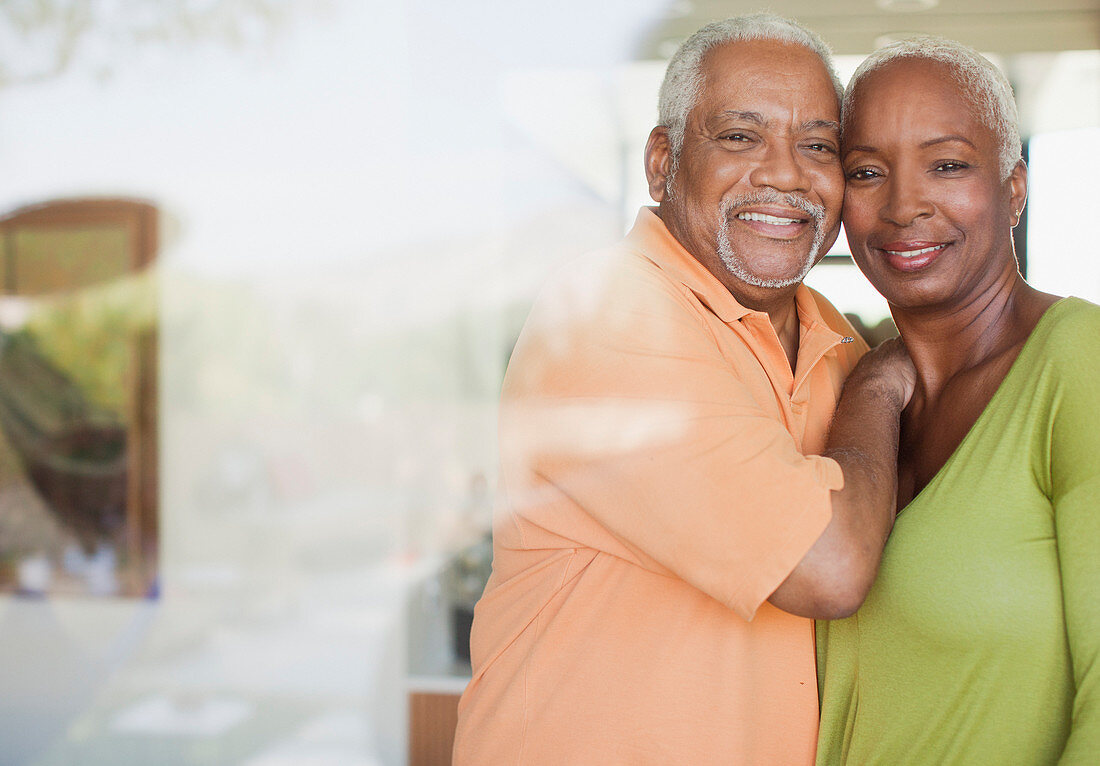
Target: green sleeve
{"points": [[1075, 485]]}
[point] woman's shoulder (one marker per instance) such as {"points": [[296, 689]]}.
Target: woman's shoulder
{"points": [[1070, 331], [1060, 364]]}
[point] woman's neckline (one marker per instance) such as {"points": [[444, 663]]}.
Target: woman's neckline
{"points": [[1044, 319]]}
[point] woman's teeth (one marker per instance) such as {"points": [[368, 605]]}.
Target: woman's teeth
{"points": [[915, 253]]}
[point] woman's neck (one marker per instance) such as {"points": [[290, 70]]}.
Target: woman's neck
{"points": [[947, 341], [961, 357]]}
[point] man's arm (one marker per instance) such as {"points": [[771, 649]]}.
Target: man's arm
{"points": [[834, 576], [644, 441]]}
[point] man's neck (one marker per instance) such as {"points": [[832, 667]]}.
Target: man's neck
{"points": [[780, 306], [785, 322]]}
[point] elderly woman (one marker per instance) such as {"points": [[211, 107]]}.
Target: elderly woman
{"points": [[980, 641]]}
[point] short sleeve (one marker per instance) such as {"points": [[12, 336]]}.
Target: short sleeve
{"points": [[1075, 484], [622, 404]]}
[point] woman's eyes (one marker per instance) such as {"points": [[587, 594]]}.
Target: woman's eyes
{"points": [[862, 174], [867, 173]]}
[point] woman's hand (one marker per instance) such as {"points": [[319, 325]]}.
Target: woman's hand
{"points": [[886, 367]]}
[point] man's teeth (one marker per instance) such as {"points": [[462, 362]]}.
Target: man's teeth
{"points": [[915, 253], [765, 218]]}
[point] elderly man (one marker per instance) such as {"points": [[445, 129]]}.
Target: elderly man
{"points": [[672, 512]]}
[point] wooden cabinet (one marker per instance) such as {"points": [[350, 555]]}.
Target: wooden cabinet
{"points": [[435, 678], [432, 721]]}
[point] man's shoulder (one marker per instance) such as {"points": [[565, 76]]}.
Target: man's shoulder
{"points": [[623, 259], [611, 280], [609, 307]]}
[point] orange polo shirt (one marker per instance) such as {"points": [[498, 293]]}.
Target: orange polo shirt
{"points": [[658, 482]]}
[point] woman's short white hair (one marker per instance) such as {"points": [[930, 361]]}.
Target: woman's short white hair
{"points": [[684, 76], [986, 87]]}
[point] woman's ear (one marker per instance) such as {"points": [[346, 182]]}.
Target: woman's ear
{"points": [[1018, 182]]}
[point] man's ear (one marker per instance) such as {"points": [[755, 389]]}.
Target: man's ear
{"points": [[1018, 182], [658, 163]]}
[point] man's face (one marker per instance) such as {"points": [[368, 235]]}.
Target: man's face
{"points": [[757, 194]]}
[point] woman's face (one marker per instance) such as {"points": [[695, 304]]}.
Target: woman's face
{"points": [[927, 215]]}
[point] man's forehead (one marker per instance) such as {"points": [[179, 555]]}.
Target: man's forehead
{"points": [[765, 53], [743, 67], [770, 106]]}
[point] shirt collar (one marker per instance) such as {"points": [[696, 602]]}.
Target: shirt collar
{"points": [[652, 238]]}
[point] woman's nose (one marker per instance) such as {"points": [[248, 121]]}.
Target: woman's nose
{"points": [[906, 200]]}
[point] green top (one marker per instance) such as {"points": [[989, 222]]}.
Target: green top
{"points": [[980, 640]]}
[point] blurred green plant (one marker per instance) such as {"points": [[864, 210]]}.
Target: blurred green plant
{"points": [[88, 335]]}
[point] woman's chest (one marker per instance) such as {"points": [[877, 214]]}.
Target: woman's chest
{"points": [[932, 431], [973, 561]]}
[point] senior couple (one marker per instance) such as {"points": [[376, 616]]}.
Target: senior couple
{"points": [[700, 457]]}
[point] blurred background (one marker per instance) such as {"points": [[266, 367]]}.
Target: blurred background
{"points": [[262, 265]]}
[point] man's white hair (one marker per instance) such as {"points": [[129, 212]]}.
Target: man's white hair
{"points": [[983, 84], [684, 77]]}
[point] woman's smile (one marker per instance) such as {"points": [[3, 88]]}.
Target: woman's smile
{"points": [[909, 255]]}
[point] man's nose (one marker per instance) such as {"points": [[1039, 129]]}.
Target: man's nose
{"points": [[781, 169]]}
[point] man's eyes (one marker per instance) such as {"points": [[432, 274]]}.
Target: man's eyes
{"points": [[740, 137]]}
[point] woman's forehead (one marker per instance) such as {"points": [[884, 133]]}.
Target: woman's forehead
{"points": [[904, 74], [917, 103], [925, 89]]}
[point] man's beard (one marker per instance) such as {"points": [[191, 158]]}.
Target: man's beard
{"points": [[737, 265]]}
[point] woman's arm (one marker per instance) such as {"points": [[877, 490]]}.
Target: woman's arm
{"points": [[835, 575], [1075, 485]]}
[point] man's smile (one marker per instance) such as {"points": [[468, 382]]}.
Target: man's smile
{"points": [[775, 223], [767, 218]]}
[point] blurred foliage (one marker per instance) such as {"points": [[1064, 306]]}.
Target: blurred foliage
{"points": [[88, 335], [40, 39]]}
